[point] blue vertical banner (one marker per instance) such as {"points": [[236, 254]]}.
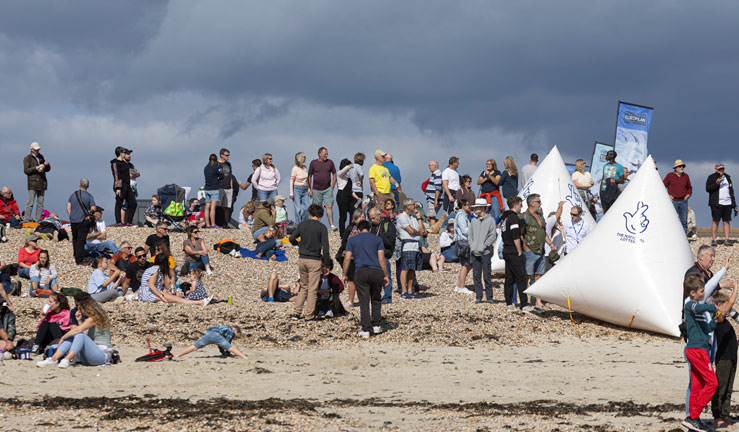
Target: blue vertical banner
{"points": [[596, 165], [632, 129]]}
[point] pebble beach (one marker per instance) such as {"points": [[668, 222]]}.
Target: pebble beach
{"points": [[441, 321]]}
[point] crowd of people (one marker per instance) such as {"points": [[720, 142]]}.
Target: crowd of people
{"points": [[379, 224]]}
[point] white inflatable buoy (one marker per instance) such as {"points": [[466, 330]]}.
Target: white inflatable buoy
{"points": [[629, 270]]}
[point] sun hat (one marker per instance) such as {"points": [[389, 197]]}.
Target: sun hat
{"points": [[35, 146], [480, 202], [279, 198], [678, 163]]}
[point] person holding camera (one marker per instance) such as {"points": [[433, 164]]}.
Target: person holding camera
{"points": [[80, 208], [722, 202]]}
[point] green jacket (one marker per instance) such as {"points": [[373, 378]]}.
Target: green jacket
{"points": [[699, 326], [8, 319]]}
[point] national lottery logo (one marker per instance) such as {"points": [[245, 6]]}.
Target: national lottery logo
{"points": [[527, 189], [574, 197], [637, 222]]}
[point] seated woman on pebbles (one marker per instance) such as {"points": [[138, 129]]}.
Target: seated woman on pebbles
{"points": [[163, 249], [43, 276], [54, 323], [448, 244], [104, 287], [154, 285], [86, 348], [196, 253], [279, 292], [267, 245]]}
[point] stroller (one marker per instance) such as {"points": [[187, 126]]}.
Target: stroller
{"points": [[172, 198]]}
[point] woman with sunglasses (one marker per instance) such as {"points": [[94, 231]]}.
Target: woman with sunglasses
{"points": [[196, 254]]}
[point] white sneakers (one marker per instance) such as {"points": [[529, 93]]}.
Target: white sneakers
{"points": [[333, 228], [235, 254], [48, 362], [64, 363], [376, 330], [209, 272], [363, 334], [329, 314], [207, 300], [462, 290], [528, 309], [512, 308]]}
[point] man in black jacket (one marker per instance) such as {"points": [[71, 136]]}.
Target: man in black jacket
{"points": [[385, 229], [722, 202], [121, 169], [313, 250]]}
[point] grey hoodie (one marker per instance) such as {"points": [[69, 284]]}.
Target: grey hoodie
{"points": [[482, 235]]}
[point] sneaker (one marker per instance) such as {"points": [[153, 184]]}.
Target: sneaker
{"points": [[119, 299], [387, 301], [720, 242], [363, 334], [478, 301], [47, 362], [491, 301], [209, 272], [376, 330], [271, 300], [456, 289], [295, 317], [333, 228], [511, 308], [693, 424], [465, 291], [528, 309], [321, 314], [714, 243], [25, 295], [36, 349], [64, 363], [329, 314], [206, 301], [404, 296]]}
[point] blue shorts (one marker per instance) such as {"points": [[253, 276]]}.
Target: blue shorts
{"points": [[213, 338], [211, 196], [411, 260], [281, 296], [323, 197], [534, 263]]}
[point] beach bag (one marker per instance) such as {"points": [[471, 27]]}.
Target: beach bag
{"points": [[462, 249], [227, 246], [70, 292], [175, 209]]}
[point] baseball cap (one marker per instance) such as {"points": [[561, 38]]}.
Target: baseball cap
{"points": [[279, 198], [31, 237], [718, 165], [35, 146], [379, 152]]}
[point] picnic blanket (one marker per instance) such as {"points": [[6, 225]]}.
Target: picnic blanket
{"points": [[279, 254]]}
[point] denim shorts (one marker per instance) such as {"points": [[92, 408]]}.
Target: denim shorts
{"points": [[213, 338], [323, 197], [211, 195], [534, 263]]}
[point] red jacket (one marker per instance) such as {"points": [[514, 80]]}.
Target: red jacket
{"points": [[11, 205], [678, 187]]}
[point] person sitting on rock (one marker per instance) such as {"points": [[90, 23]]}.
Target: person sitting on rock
{"points": [[153, 213], [97, 238], [277, 291], [9, 212]]}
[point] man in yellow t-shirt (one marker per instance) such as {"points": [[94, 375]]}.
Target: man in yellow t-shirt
{"points": [[380, 180]]}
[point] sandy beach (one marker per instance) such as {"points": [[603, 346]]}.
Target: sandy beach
{"points": [[444, 363]]}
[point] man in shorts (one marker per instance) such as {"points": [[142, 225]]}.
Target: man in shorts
{"points": [[722, 202], [279, 292], [410, 230], [535, 236], [380, 180], [227, 185], [322, 177]]}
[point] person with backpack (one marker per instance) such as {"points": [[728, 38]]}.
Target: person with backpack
{"points": [[80, 207], [385, 229]]}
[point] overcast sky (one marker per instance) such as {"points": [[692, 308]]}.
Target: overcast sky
{"points": [[176, 81]]}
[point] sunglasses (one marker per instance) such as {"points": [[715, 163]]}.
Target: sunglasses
{"points": [[140, 256], [196, 232], [537, 201], [574, 214]]}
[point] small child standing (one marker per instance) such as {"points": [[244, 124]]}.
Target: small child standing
{"points": [[219, 335], [280, 215], [726, 358], [703, 382]]}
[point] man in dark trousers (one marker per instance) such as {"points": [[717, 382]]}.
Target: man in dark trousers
{"points": [[35, 167], [313, 250], [370, 276], [385, 229], [722, 202], [80, 207], [515, 262], [227, 191], [121, 169]]}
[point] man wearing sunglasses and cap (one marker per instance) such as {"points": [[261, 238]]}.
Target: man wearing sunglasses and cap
{"points": [[679, 188], [722, 202]]}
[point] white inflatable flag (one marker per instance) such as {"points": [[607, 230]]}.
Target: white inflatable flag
{"points": [[553, 182], [629, 270]]}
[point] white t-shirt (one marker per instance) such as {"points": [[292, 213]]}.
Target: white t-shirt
{"points": [[99, 227], [575, 233], [582, 178], [446, 239], [724, 198], [452, 177], [526, 172], [405, 220]]}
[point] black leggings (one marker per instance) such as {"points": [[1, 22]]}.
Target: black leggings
{"points": [[48, 332], [346, 207], [130, 198]]}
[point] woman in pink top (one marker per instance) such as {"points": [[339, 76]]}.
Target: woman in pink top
{"points": [[266, 178], [299, 189], [55, 322]]}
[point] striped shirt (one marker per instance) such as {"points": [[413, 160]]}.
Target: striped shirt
{"points": [[434, 185], [145, 294]]}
